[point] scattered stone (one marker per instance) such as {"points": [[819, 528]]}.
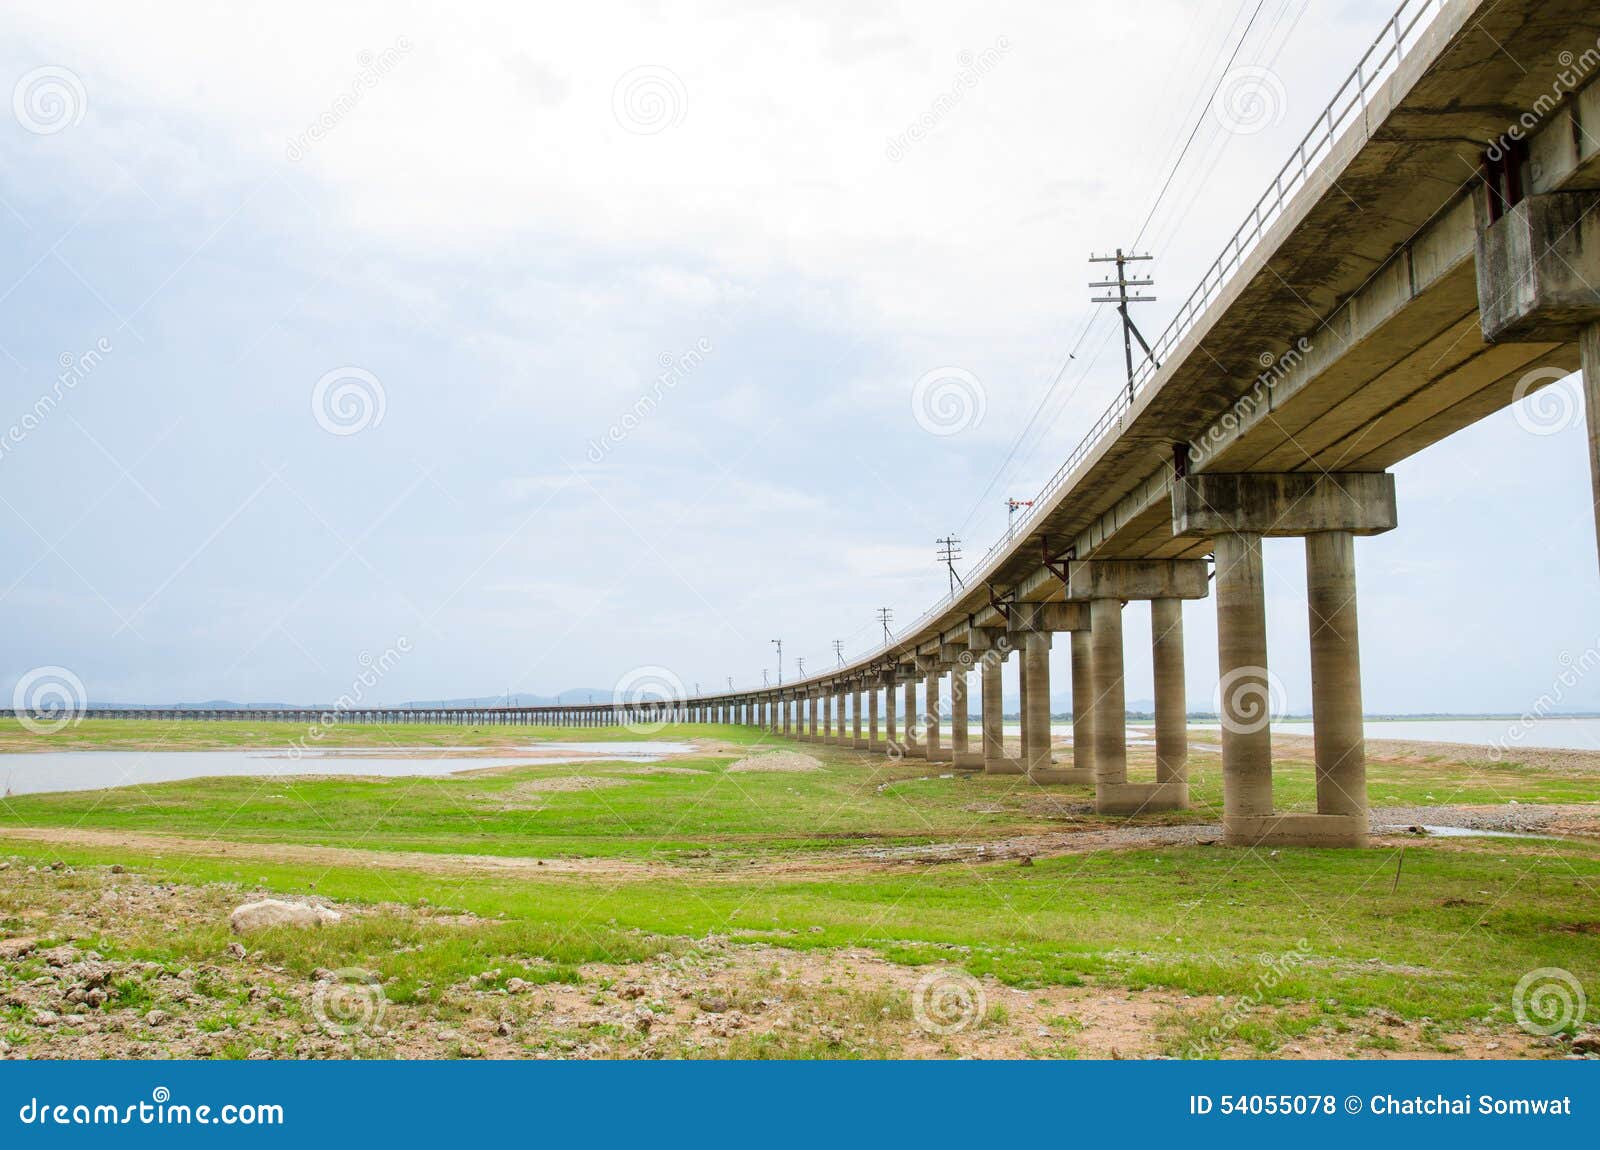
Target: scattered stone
{"points": [[259, 1055], [63, 955], [1587, 1043], [118, 868], [631, 991], [273, 912], [157, 1018], [1026, 860], [12, 949], [518, 985], [237, 949], [713, 1003]]}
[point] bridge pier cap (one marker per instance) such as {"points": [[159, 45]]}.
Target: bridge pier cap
{"points": [[1128, 579], [1537, 266], [1285, 504]]}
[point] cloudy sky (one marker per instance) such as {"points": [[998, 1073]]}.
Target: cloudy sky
{"points": [[361, 304]]}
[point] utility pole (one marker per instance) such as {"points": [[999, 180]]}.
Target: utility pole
{"points": [[1122, 299], [838, 650], [730, 682], [778, 643], [697, 690], [1012, 507], [949, 551], [801, 663], [886, 616]]}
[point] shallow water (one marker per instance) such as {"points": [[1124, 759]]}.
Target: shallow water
{"points": [[1576, 734], [42, 772]]}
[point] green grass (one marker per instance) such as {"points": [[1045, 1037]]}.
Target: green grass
{"points": [[1467, 919]]}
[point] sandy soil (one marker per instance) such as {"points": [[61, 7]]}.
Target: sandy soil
{"points": [[775, 762], [707, 997]]}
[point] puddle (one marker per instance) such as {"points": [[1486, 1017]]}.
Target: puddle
{"points": [[49, 771]]}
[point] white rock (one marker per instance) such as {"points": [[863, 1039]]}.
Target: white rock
{"points": [[270, 912]]}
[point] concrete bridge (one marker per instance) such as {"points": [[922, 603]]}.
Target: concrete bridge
{"points": [[1427, 255]]}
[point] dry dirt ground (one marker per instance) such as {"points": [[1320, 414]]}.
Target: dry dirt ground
{"points": [[710, 997]]}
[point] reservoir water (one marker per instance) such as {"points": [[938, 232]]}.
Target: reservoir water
{"points": [[39, 772]]}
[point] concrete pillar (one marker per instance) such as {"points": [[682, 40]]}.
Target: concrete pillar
{"points": [[936, 751], [1336, 676], [966, 759], [912, 743], [1172, 721], [1110, 697], [891, 736], [1082, 704], [1243, 686], [995, 761], [873, 742], [1022, 707], [830, 731], [1036, 705], [856, 739], [1589, 355]]}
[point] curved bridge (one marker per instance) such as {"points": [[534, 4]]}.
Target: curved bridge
{"points": [[1428, 255]]}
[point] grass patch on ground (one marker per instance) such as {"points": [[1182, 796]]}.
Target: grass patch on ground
{"points": [[1311, 939]]}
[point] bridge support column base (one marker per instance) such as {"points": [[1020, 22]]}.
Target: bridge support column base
{"points": [[940, 755], [968, 761], [859, 744], [1295, 830], [1057, 774], [877, 746], [1003, 767], [1140, 798]]}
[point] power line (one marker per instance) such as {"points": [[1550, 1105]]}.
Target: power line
{"points": [[838, 650], [886, 616], [1200, 119]]}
